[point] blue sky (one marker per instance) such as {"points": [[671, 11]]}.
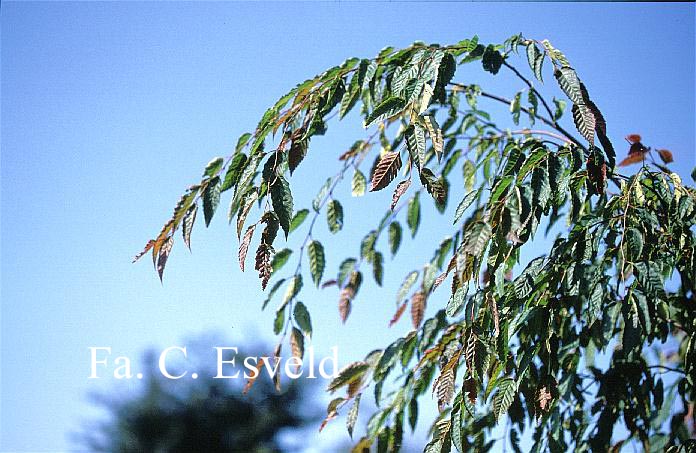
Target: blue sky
{"points": [[110, 110]]}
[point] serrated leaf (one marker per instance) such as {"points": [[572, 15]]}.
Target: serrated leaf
{"points": [[435, 134], [317, 261], [395, 234], [319, 198], [347, 375], [297, 343], [297, 152], [569, 83], [507, 389], [515, 106], [302, 318], [213, 167], [163, 255], [406, 285], [358, 184], [281, 199], [378, 267], [334, 216], [244, 245], [298, 218], [280, 258], [413, 214], [435, 186], [211, 199], [352, 416], [386, 170], [401, 189], [584, 121], [415, 143], [634, 243], [464, 204], [279, 320], [386, 109], [293, 289], [234, 171], [477, 238], [535, 57], [187, 224]]}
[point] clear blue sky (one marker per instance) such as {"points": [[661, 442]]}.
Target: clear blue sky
{"points": [[110, 110]]}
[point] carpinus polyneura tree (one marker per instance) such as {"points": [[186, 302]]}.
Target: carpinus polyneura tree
{"points": [[589, 346]]}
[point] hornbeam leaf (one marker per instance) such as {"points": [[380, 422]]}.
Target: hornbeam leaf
{"points": [[302, 318], [211, 199], [386, 109], [293, 289], [352, 416], [408, 282], [317, 261], [234, 171], [298, 151], [279, 259], [415, 143], [297, 343], [319, 198], [244, 245], [584, 121], [213, 167], [435, 135], [433, 185], [418, 302], [378, 267], [187, 226], [569, 83], [279, 321], [535, 57], [163, 255], [401, 189], [348, 374], [334, 216], [243, 140], [507, 389], [358, 184], [464, 204], [477, 238], [298, 218], [281, 198], [634, 242], [394, 237], [413, 215], [492, 60], [386, 170]]}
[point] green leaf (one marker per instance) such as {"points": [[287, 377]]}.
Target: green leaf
{"points": [[352, 416], [293, 289], [435, 134], [634, 243], [415, 143], [234, 171], [405, 287], [334, 216], [350, 373], [213, 167], [211, 199], [298, 218], [367, 246], [535, 57], [515, 107], [643, 310], [187, 224], [281, 198], [569, 83], [243, 140], [319, 198], [500, 189], [492, 60], [507, 389], [386, 109], [279, 259], [413, 214], [477, 238], [317, 261], [358, 184], [378, 267], [279, 321], [435, 186], [302, 318], [560, 108], [395, 233], [584, 121]]}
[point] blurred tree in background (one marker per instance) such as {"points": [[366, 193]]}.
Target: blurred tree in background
{"points": [[204, 414]]}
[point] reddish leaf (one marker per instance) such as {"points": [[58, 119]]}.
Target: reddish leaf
{"points": [[665, 155], [147, 248], [386, 170], [244, 245], [401, 189], [633, 138], [632, 159], [417, 308], [397, 315], [164, 252]]}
